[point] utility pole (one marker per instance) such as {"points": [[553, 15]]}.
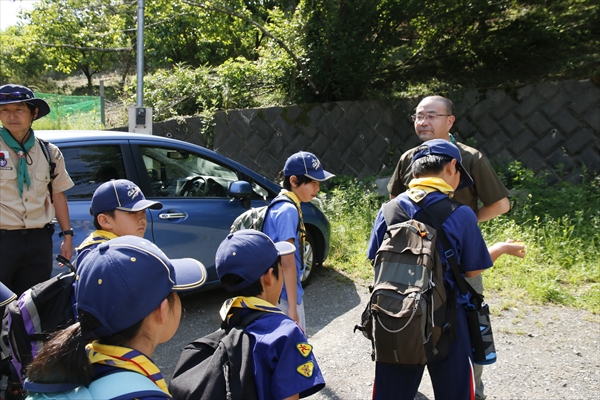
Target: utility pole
{"points": [[140, 117]]}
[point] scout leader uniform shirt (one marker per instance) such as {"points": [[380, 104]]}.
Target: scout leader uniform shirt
{"points": [[488, 187], [34, 209]]}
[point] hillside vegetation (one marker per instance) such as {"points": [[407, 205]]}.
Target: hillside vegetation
{"points": [[219, 54]]}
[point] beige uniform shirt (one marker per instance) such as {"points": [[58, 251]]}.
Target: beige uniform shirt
{"points": [[35, 209]]}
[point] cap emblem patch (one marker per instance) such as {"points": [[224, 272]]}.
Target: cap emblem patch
{"points": [[133, 191]]}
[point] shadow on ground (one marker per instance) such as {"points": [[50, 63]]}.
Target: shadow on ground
{"points": [[327, 296]]}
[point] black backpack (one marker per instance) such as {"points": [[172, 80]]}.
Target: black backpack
{"points": [[410, 306], [217, 366], [40, 311]]}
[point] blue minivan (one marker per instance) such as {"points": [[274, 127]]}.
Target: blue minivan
{"points": [[202, 192]]}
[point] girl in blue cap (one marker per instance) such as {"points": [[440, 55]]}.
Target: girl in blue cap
{"points": [[302, 175], [128, 303]]}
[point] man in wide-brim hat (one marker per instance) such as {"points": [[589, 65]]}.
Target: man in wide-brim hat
{"points": [[33, 179]]}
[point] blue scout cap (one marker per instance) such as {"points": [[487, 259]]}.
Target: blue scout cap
{"points": [[6, 295], [120, 194], [307, 164], [443, 147], [10, 94], [124, 279], [249, 254]]}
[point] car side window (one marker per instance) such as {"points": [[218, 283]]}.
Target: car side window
{"points": [[91, 166], [178, 173]]}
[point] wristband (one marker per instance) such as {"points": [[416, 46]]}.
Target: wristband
{"points": [[67, 232]]}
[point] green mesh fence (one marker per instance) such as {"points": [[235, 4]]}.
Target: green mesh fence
{"points": [[71, 112]]}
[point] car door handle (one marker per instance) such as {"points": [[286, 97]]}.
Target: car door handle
{"points": [[175, 215]]}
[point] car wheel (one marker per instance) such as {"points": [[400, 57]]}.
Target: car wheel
{"points": [[309, 258]]}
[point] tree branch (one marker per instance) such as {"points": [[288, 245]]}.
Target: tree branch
{"points": [[83, 48]]}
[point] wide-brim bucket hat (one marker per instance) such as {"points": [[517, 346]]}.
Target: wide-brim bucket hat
{"points": [[10, 94]]}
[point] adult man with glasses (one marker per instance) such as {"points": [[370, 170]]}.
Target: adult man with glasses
{"points": [[26, 205], [433, 119]]}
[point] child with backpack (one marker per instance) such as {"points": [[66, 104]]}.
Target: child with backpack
{"points": [[119, 208], [302, 175], [282, 364], [128, 303], [438, 172]]}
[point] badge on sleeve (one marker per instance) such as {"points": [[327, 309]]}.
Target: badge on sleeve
{"points": [[306, 369], [304, 348]]}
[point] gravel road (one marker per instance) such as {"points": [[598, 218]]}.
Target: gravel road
{"points": [[543, 352]]}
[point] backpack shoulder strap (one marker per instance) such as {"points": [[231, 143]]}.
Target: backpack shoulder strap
{"points": [[435, 213], [123, 383], [48, 154], [393, 213]]}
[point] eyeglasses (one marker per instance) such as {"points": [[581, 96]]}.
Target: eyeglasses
{"points": [[14, 96], [428, 116]]}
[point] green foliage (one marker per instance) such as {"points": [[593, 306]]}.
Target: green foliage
{"points": [[562, 237], [301, 51], [532, 198], [351, 206], [182, 33], [347, 44], [79, 36], [20, 61]]}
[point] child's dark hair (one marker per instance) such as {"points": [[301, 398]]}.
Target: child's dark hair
{"points": [[287, 185], [110, 213], [255, 288], [64, 358], [431, 164]]}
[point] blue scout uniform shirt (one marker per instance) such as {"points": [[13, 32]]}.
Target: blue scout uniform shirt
{"points": [[280, 225], [461, 229], [284, 363]]}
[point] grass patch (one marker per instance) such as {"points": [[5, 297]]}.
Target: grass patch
{"points": [[560, 226], [351, 207]]}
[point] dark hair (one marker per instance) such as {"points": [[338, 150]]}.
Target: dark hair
{"points": [[287, 185], [31, 108], [255, 288], [431, 164], [110, 213], [64, 358]]}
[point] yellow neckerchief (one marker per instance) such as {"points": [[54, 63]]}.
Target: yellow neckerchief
{"points": [[251, 303], [98, 236], [135, 361], [301, 228], [421, 187]]}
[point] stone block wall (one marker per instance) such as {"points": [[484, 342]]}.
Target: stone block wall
{"points": [[547, 126]]}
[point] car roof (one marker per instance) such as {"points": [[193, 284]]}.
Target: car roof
{"points": [[61, 135]]}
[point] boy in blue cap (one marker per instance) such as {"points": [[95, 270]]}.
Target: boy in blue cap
{"points": [[119, 208], [438, 173], [249, 262], [302, 176]]}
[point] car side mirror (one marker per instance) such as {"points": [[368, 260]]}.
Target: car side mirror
{"points": [[241, 190]]}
